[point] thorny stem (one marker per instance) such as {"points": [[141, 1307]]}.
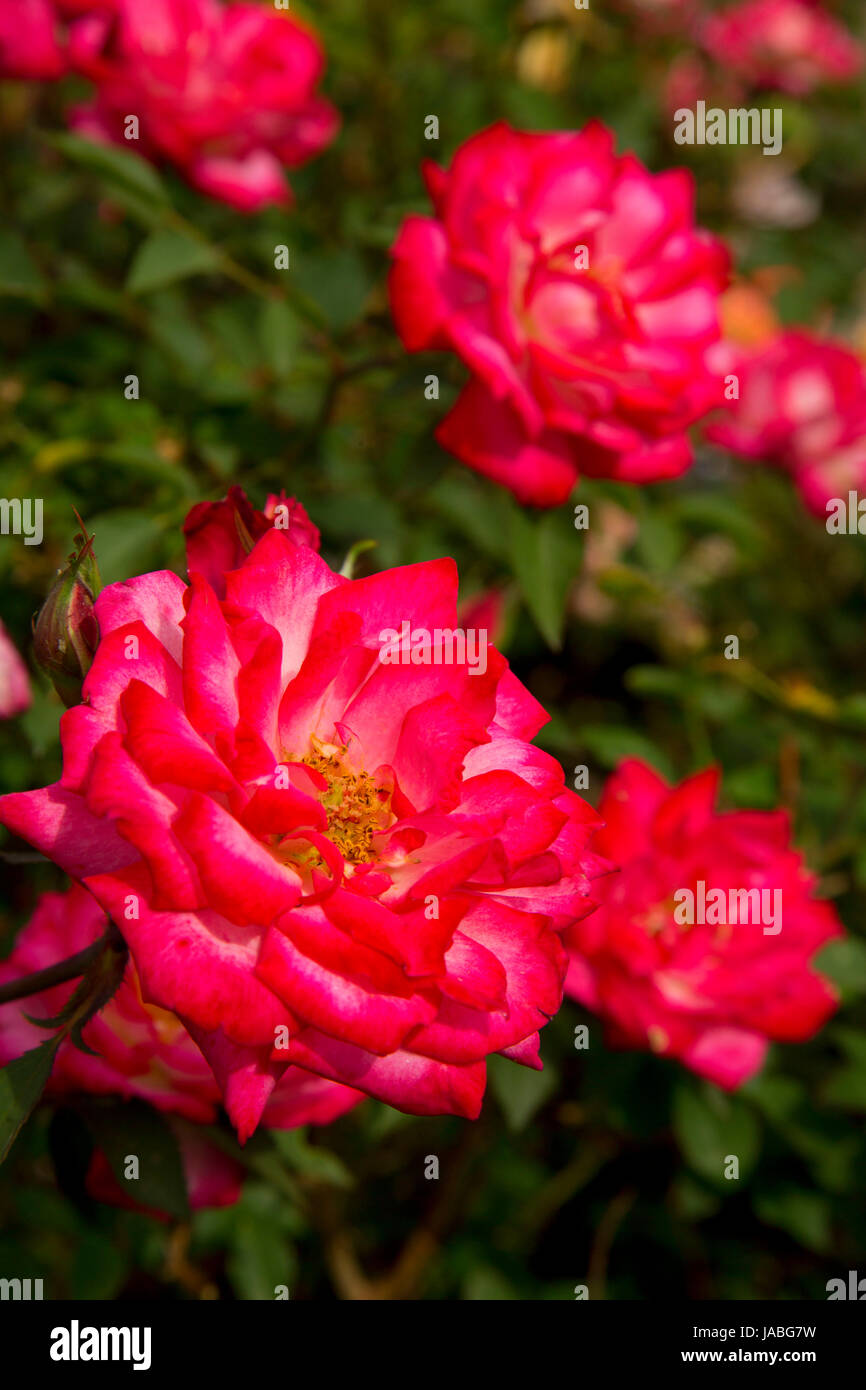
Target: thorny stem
{"points": [[342, 375], [608, 1227]]}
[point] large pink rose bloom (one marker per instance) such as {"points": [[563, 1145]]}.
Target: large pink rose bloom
{"points": [[141, 1051], [228, 93], [576, 287], [15, 692], [710, 992], [792, 45], [801, 407], [318, 853]]}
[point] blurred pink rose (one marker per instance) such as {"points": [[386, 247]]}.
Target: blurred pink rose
{"points": [[141, 1051], [213, 1178], [486, 612], [15, 692], [29, 42], [801, 407], [33, 36], [792, 45], [227, 93], [662, 16]]}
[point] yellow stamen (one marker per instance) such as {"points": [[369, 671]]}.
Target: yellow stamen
{"points": [[358, 810]]}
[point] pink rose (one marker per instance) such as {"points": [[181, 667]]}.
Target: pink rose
{"points": [[227, 93], [15, 693], [141, 1051], [671, 960], [485, 610], [792, 45], [213, 1178], [323, 846], [29, 46], [219, 534], [801, 407], [33, 38], [577, 289], [71, 8]]}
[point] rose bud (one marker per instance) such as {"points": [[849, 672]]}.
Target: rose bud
{"points": [[66, 633]]}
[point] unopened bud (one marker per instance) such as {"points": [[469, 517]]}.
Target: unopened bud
{"points": [[66, 632]]}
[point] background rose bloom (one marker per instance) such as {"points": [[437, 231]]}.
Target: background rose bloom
{"points": [[662, 16], [228, 93], [792, 45], [599, 369], [219, 534], [304, 843], [212, 1177], [141, 1052], [33, 38], [712, 996], [29, 45], [801, 407], [15, 693]]}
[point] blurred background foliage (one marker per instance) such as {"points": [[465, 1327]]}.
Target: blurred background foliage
{"points": [[604, 1168]]}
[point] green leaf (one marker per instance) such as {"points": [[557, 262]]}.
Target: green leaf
{"points": [[21, 1085], [337, 282], [132, 1128], [486, 1285], [845, 963], [19, 274], [806, 1216], [711, 1126], [473, 511], [846, 1087], [121, 167], [657, 681], [310, 1160], [545, 558], [521, 1091], [610, 743], [100, 1266], [166, 256], [262, 1253], [279, 336], [127, 542], [778, 1097]]}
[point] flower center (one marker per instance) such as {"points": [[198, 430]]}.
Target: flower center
{"points": [[356, 807]]}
